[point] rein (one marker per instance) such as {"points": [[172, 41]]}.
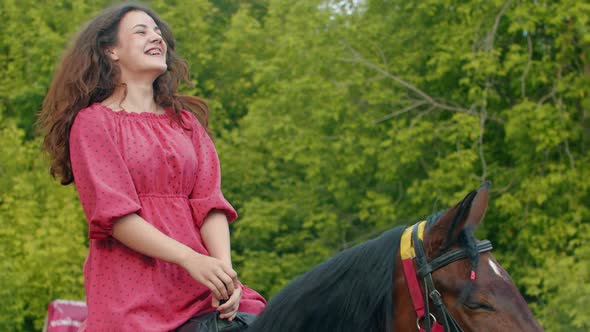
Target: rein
{"points": [[416, 264]]}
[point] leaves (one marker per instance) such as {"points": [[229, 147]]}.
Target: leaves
{"points": [[336, 120], [42, 235]]}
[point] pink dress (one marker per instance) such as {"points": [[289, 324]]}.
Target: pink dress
{"points": [[145, 163]]}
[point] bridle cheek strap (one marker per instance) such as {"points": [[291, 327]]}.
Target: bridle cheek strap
{"points": [[408, 254], [413, 257]]}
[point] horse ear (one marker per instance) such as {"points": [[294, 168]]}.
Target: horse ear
{"points": [[479, 206], [467, 213]]}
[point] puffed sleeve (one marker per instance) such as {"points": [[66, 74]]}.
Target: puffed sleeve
{"points": [[206, 194], [101, 176]]}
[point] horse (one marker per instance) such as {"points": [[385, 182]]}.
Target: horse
{"points": [[375, 285]]}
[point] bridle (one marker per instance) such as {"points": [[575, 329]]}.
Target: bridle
{"points": [[416, 264]]}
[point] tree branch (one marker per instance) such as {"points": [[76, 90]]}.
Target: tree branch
{"points": [[527, 67], [504, 189], [344, 84], [482, 125], [565, 141], [400, 112], [490, 38], [357, 58]]}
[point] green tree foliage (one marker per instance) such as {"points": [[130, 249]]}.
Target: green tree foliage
{"points": [[42, 234], [336, 120], [371, 115]]}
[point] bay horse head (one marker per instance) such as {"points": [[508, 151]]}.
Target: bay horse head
{"points": [[365, 288], [451, 281]]}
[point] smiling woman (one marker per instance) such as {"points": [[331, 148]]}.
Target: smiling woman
{"points": [[141, 50], [148, 178]]}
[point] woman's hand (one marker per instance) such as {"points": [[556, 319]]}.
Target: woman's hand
{"points": [[229, 309], [215, 274]]}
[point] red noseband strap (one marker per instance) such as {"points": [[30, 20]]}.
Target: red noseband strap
{"points": [[407, 254]]}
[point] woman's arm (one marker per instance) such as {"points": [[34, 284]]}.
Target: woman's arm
{"points": [[139, 235], [215, 234]]}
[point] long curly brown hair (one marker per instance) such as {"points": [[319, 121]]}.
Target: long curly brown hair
{"points": [[87, 75]]}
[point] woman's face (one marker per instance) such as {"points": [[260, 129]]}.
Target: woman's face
{"points": [[140, 51]]}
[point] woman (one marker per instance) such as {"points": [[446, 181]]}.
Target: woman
{"points": [[148, 178]]}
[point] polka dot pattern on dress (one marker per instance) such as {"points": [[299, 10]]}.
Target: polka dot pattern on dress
{"points": [[145, 163]]}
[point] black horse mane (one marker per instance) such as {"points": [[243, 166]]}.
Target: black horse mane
{"points": [[350, 292]]}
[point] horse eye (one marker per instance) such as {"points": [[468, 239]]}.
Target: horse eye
{"points": [[478, 306]]}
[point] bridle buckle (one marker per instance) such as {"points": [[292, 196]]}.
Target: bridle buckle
{"points": [[436, 297]]}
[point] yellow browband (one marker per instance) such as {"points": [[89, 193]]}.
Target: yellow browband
{"points": [[406, 247]]}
